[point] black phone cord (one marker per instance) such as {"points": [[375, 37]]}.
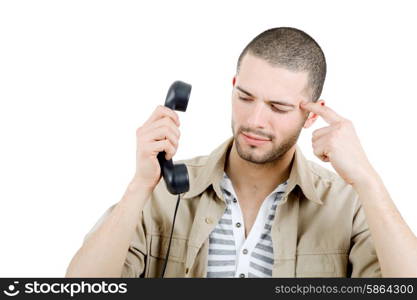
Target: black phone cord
{"points": [[170, 238]]}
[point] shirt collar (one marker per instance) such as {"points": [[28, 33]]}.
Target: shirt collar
{"points": [[301, 175], [211, 173]]}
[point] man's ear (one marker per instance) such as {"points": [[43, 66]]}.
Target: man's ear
{"points": [[312, 117]]}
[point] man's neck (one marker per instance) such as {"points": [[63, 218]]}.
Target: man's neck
{"points": [[253, 180]]}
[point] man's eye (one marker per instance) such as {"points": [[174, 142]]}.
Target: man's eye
{"points": [[278, 110], [244, 99]]}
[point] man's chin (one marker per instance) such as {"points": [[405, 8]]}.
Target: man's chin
{"points": [[258, 155], [253, 154]]}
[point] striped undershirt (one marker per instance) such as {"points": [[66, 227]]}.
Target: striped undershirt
{"points": [[230, 254]]}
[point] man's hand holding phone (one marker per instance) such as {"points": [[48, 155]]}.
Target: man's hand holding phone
{"points": [[159, 133]]}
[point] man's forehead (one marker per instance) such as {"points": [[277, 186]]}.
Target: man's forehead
{"points": [[262, 79]]}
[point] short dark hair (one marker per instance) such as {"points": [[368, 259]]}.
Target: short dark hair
{"points": [[292, 49]]}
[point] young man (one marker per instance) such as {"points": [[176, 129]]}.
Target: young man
{"points": [[256, 207]]}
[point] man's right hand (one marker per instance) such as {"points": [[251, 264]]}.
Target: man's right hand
{"points": [[96, 258], [159, 133]]}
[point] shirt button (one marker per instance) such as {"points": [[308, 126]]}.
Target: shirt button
{"points": [[245, 251], [242, 275], [209, 220], [238, 224]]}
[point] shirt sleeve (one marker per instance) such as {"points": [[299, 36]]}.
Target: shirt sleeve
{"points": [[362, 256], [134, 265]]}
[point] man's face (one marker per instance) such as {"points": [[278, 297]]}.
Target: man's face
{"points": [[265, 106]]}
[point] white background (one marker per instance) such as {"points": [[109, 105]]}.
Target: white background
{"points": [[78, 77]]}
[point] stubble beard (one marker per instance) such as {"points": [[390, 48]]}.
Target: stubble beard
{"points": [[278, 151]]}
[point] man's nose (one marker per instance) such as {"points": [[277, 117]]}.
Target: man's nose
{"points": [[258, 116]]}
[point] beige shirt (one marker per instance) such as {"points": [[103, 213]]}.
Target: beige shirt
{"points": [[319, 228]]}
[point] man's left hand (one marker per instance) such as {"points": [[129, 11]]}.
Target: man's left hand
{"points": [[339, 145]]}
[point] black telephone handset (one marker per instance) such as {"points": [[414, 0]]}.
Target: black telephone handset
{"points": [[175, 176]]}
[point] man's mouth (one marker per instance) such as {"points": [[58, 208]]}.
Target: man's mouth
{"points": [[254, 140]]}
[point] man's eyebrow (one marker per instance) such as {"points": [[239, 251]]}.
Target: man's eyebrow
{"points": [[243, 91], [283, 103]]}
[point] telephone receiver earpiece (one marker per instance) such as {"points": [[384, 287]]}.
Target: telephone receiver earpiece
{"points": [[175, 176]]}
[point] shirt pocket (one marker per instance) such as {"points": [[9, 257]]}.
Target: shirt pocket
{"points": [[157, 254], [322, 265]]}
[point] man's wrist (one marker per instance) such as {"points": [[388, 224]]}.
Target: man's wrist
{"points": [[369, 181], [136, 184], [136, 195]]}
